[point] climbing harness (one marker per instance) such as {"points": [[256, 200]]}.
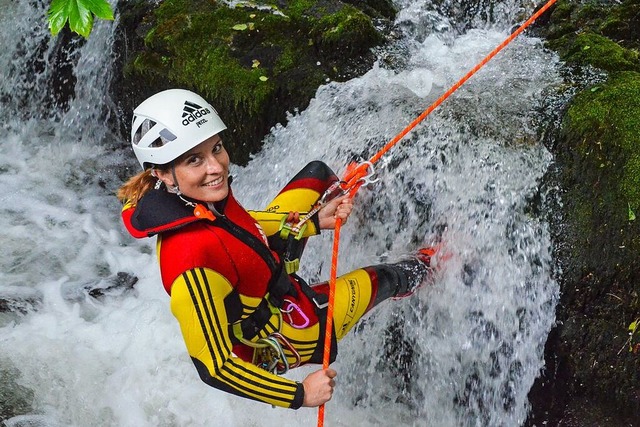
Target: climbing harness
{"points": [[358, 173], [269, 352]]}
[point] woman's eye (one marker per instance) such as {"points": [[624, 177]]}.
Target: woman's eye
{"points": [[217, 148], [192, 160]]}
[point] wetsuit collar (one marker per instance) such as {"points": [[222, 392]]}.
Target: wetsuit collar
{"points": [[160, 211]]}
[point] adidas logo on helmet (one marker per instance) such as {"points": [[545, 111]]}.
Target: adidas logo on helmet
{"points": [[193, 112]]}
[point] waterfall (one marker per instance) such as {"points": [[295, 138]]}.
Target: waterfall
{"points": [[463, 352]]}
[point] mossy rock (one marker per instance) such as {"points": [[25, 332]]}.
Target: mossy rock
{"points": [[599, 240], [599, 34], [600, 156], [258, 61], [593, 49], [591, 377], [622, 24]]}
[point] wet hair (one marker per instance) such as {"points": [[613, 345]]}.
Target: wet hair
{"points": [[138, 185]]}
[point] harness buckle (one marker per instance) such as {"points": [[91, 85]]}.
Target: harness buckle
{"points": [[287, 228], [291, 266], [320, 305]]}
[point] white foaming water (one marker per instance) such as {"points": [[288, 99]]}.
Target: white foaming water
{"points": [[462, 353]]}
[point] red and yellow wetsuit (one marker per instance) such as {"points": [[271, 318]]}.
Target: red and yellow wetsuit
{"points": [[228, 287]]}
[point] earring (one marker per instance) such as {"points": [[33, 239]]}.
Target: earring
{"points": [[158, 185]]}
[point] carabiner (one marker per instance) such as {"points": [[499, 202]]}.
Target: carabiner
{"points": [[288, 309], [357, 176], [335, 190], [366, 180]]}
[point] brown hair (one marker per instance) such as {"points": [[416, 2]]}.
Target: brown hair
{"points": [[136, 187]]}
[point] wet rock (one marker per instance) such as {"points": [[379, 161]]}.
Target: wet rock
{"points": [[591, 375], [14, 398], [118, 285], [19, 299]]}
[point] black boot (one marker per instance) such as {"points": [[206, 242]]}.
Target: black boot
{"points": [[403, 278]]}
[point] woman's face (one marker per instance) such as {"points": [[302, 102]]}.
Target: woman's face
{"points": [[202, 172]]}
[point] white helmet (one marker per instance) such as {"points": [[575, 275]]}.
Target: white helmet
{"points": [[170, 123]]}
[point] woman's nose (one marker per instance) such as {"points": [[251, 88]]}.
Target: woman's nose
{"points": [[213, 165]]}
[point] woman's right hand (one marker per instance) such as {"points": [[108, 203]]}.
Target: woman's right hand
{"points": [[318, 387]]}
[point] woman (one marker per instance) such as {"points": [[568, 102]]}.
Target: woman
{"points": [[244, 314]]}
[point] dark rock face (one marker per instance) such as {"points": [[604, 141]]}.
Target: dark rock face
{"points": [[592, 376]]}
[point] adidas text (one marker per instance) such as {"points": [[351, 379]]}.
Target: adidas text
{"points": [[195, 115]]}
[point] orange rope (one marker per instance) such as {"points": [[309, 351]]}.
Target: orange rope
{"points": [[460, 82], [353, 175], [328, 332]]}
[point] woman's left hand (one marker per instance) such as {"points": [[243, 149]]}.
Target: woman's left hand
{"points": [[340, 207]]}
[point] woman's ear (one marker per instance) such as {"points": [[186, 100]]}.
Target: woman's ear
{"points": [[164, 176]]}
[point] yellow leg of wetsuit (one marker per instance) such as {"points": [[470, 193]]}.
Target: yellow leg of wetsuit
{"points": [[359, 291], [356, 293]]}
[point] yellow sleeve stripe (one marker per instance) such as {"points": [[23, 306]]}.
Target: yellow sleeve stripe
{"points": [[212, 319], [258, 382]]}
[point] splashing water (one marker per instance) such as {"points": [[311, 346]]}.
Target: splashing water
{"points": [[463, 352]]}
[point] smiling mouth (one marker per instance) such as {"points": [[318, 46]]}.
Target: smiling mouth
{"points": [[214, 183]]}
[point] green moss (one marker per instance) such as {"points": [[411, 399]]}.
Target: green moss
{"points": [[347, 24], [198, 46], [596, 33], [590, 11], [598, 51], [606, 119], [195, 49], [299, 8], [562, 10]]}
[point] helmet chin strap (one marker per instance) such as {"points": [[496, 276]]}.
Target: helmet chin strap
{"points": [[176, 187]]}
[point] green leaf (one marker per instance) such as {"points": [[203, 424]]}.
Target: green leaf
{"points": [[240, 27], [632, 214], [100, 8], [633, 326], [79, 14], [264, 78], [80, 19], [58, 15]]}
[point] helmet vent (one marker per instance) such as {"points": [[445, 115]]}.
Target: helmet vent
{"points": [[157, 143], [142, 130], [165, 137]]}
